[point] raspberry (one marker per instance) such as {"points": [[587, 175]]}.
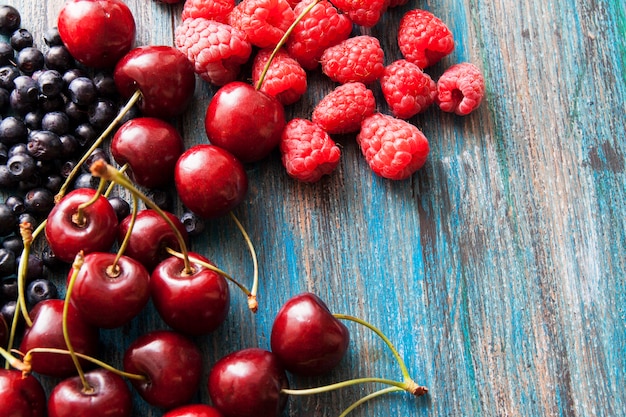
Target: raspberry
{"points": [[215, 49], [423, 38], [217, 10], [460, 89], [308, 152], [365, 14], [359, 58], [285, 79], [321, 28], [392, 147], [343, 109], [407, 89], [263, 21]]}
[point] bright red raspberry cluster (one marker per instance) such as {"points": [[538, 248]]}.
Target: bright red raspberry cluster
{"points": [[219, 37]]}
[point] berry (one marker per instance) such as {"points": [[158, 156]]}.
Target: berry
{"points": [[343, 109], [407, 89], [39, 290], [308, 152], [263, 21], [322, 27], [392, 147], [217, 10], [215, 49], [285, 79], [460, 89], [423, 38], [359, 58], [362, 13], [10, 19]]}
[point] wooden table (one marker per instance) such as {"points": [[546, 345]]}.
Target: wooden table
{"points": [[498, 270]]}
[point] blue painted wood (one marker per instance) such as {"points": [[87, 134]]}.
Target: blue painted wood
{"points": [[498, 269]]}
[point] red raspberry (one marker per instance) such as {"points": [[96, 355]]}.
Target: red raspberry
{"points": [[460, 89], [308, 152], [407, 89], [363, 13], [321, 28], [285, 79], [215, 49], [359, 58], [343, 109], [392, 147], [217, 10], [263, 21], [423, 38]]}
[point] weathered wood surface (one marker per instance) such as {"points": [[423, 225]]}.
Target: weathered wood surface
{"points": [[498, 270]]}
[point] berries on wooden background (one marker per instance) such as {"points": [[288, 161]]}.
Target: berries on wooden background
{"points": [[392, 147], [407, 89], [424, 38], [308, 152], [343, 109], [359, 58], [263, 21], [460, 89], [285, 78]]}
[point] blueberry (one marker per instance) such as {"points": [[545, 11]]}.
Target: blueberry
{"points": [[121, 207], [6, 178], [71, 74], [58, 57], [44, 145], [21, 103], [57, 122], [16, 204], [70, 145], [28, 218], [8, 74], [39, 201], [51, 37], [29, 60], [32, 119], [7, 54], [50, 83], [102, 113], [67, 167], [8, 221], [14, 244], [20, 39], [8, 263], [5, 99], [17, 149], [4, 153], [13, 131], [161, 198], [105, 85], [22, 166], [50, 260], [39, 290], [54, 182], [82, 91], [97, 154], [50, 104], [85, 134], [10, 19], [86, 180], [8, 288], [193, 223], [8, 312]]}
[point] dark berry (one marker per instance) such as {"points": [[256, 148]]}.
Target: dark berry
{"points": [[71, 74], [10, 20], [8, 221], [20, 39], [102, 113], [8, 263], [46, 167], [13, 131], [22, 166], [8, 74], [85, 134], [51, 37], [8, 288], [50, 104], [70, 145], [59, 58], [18, 148], [161, 198], [16, 204], [121, 207], [57, 122], [25, 185], [75, 112], [8, 312], [21, 103], [86, 180], [5, 99], [6, 178], [105, 85], [82, 91], [39, 201], [50, 83], [32, 119], [97, 154], [7, 54], [66, 168], [34, 268], [4, 153], [54, 182], [14, 244], [49, 259], [29, 60], [39, 290], [28, 218], [193, 223], [44, 145]]}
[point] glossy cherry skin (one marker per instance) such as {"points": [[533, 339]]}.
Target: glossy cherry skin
{"points": [[193, 304], [21, 395], [96, 233], [164, 76], [98, 33], [47, 331], [210, 181], [111, 396], [248, 383], [150, 236], [150, 147], [172, 364], [108, 297], [306, 337], [245, 121], [194, 410]]}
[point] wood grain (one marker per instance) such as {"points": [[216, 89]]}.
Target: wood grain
{"points": [[498, 269]]}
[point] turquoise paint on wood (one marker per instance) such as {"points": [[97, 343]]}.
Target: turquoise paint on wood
{"points": [[498, 270]]}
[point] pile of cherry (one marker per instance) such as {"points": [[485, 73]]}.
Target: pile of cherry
{"points": [[41, 334]]}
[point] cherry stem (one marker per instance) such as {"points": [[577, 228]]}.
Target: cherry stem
{"points": [[343, 384], [113, 269], [79, 217], [76, 265], [282, 42], [103, 170], [95, 361], [107, 193], [26, 231], [217, 270], [367, 398], [131, 102], [13, 362], [253, 303]]}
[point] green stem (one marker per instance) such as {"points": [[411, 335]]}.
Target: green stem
{"points": [[318, 390], [114, 268], [367, 398], [253, 304], [13, 362]]}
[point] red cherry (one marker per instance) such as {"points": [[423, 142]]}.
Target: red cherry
{"points": [[193, 410], [110, 397], [108, 297], [150, 147], [21, 395], [172, 364], [306, 337], [248, 383], [95, 232], [150, 236], [97, 32], [210, 181], [164, 76], [195, 303], [245, 121], [47, 332]]}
